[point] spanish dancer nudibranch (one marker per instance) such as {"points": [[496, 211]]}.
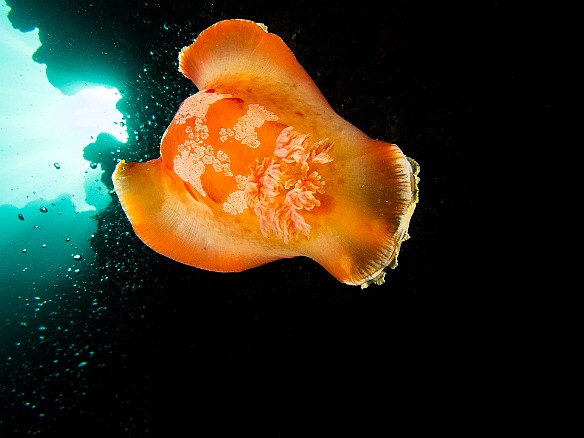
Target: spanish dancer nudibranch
{"points": [[257, 167]]}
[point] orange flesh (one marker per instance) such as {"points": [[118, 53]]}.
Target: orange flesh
{"points": [[258, 167]]}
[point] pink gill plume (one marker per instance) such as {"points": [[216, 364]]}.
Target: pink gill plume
{"points": [[282, 185]]}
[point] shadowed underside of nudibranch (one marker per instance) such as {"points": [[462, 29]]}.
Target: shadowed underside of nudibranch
{"points": [[257, 166]]}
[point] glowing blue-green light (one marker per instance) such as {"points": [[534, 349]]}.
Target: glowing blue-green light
{"points": [[43, 132]]}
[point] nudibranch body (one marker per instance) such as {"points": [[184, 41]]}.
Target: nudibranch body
{"points": [[257, 166]]}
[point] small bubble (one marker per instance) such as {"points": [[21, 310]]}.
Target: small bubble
{"points": [[81, 364], [93, 165], [77, 257], [44, 245], [20, 216], [24, 250], [67, 239], [57, 165], [43, 209]]}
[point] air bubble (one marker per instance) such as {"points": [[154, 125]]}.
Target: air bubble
{"points": [[43, 209], [77, 257], [57, 165]]}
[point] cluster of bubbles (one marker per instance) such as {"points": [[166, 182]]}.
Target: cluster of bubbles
{"points": [[61, 333]]}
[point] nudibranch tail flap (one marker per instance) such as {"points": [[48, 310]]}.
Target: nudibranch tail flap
{"points": [[256, 167]]}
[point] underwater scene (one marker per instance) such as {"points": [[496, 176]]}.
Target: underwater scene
{"points": [[131, 304]]}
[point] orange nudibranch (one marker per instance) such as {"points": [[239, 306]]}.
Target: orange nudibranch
{"points": [[257, 167]]}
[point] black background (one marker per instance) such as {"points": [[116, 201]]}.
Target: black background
{"points": [[284, 349]]}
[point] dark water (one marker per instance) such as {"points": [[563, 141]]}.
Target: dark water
{"points": [[121, 340]]}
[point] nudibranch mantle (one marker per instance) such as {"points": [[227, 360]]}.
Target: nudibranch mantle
{"points": [[256, 167], [276, 187]]}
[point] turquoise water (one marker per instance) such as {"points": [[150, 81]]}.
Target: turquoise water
{"points": [[45, 136], [57, 149]]}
